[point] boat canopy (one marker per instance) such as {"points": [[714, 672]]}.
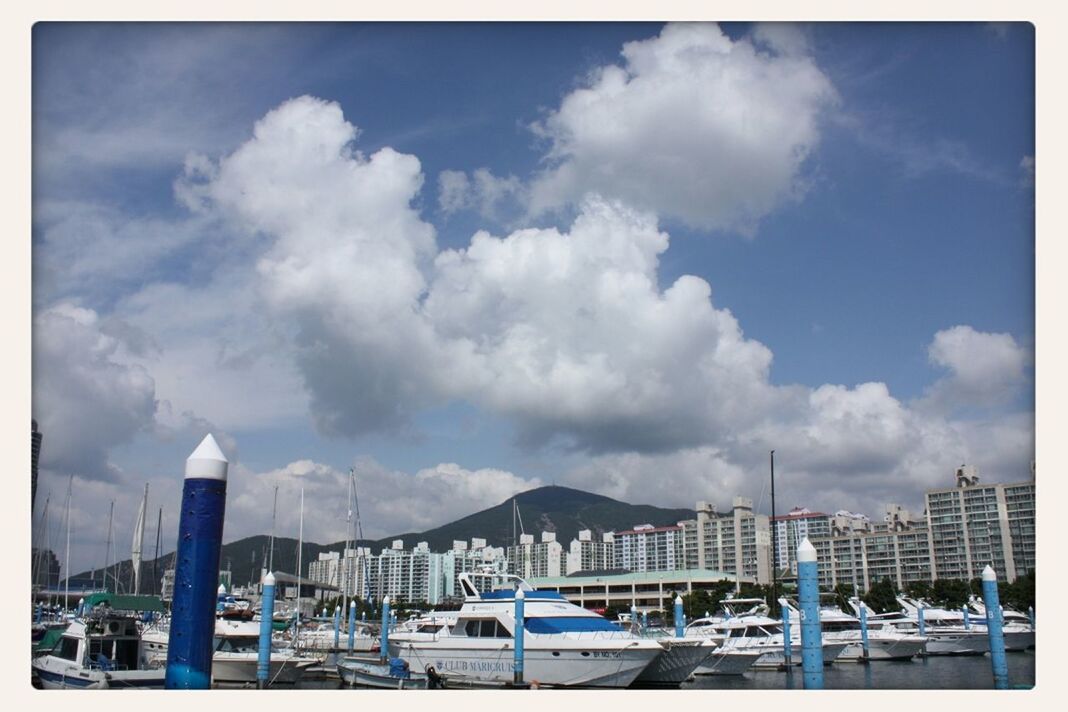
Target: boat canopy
{"points": [[121, 602], [570, 624]]}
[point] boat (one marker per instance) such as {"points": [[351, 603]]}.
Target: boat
{"points": [[681, 656], [102, 648], [1016, 627], [884, 642], [357, 671], [564, 645], [945, 630], [320, 638], [236, 656], [728, 661], [746, 626]]}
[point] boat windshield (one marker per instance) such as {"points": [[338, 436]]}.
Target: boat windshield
{"points": [[569, 624], [238, 645]]}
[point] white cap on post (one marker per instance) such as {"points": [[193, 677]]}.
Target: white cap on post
{"points": [[268, 580], [678, 599], [222, 588], [385, 600], [806, 552], [988, 574], [207, 462], [519, 594]]}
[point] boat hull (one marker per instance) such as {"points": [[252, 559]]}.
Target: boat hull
{"points": [[241, 668], [675, 665], [560, 667], [58, 674], [776, 659], [957, 643], [904, 648], [727, 662]]}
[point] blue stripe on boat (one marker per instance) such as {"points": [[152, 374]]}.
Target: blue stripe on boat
{"points": [[530, 595]]}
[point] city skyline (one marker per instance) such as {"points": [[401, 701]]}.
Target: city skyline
{"points": [[630, 258]]}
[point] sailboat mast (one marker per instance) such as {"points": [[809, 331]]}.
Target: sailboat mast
{"points": [[159, 525], [300, 546], [274, 517], [139, 543], [107, 550], [66, 557]]}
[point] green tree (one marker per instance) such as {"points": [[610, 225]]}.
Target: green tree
{"points": [[950, 593], [881, 597], [918, 589]]}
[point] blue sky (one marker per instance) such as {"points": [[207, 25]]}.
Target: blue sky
{"points": [[701, 242]]}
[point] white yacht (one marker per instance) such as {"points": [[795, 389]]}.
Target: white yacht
{"points": [[945, 630], [102, 649], [746, 626], [320, 638], [564, 644], [236, 656], [1015, 626], [884, 642]]}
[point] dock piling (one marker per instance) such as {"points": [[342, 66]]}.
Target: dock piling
{"points": [[337, 627], [680, 623], [520, 600], [967, 618], [993, 629], [196, 575], [383, 643], [808, 594], [352, 625], [1031, 616], [787, 638], [919, 620], [263, 658], [864, 631]]}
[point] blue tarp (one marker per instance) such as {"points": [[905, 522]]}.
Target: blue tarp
{"points": [[569, 624]]}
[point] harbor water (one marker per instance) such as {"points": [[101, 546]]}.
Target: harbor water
{"points": [[940, 672]]}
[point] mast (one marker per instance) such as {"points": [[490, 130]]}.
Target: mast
{"points": [[159, 525], [774, 543], [138, 543], [350, 535], [39, 557], [107, 550], [274, 517], [358, 536], [66, 558], [300, 546]]}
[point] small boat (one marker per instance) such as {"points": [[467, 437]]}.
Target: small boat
{"points": [[236, 656], [884, 642], [320, 638], [945, 630], [726, 661], [102, 649], [395, 674], [1016, 627]]}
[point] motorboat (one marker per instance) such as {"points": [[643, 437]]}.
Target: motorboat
{"points": [[945, 630], [319, 637], [1016, 627], [102, 648], [747, 626], [236, 656], [564, 645], [884, 642]]}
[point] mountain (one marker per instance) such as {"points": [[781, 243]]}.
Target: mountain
{"points": [[562, 510]]}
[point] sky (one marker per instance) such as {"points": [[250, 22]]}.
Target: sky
{"points": [[469, 259]]}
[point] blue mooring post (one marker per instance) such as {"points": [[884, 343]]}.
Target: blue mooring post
{"points": [[81, 607], [993, 629], [263, 657], [864, 630], [808, 594], [352, 625], [645, 619], [196, 575], [787, 637], [337, 627], [635, 621], [383, 638], [919, 620], [1031, 615], [967, 619], [520, 599], [37, 615], [680, 622]]}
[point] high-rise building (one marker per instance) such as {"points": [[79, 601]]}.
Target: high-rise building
{"points": [[791, 529], [736, 542], [528, 559], [863, 559], [585, 554], [649, 548], [35, 454], [974, 525]]}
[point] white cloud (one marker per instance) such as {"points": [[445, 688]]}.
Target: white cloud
{"points": [[985, 369], [391, 502], [695, 126], [483, 192], [87, 396]]}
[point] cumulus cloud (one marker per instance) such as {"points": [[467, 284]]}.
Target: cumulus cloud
{"points": [[87, 397], [694, 125], [391, 502], [483, 192], [984, 369]]}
